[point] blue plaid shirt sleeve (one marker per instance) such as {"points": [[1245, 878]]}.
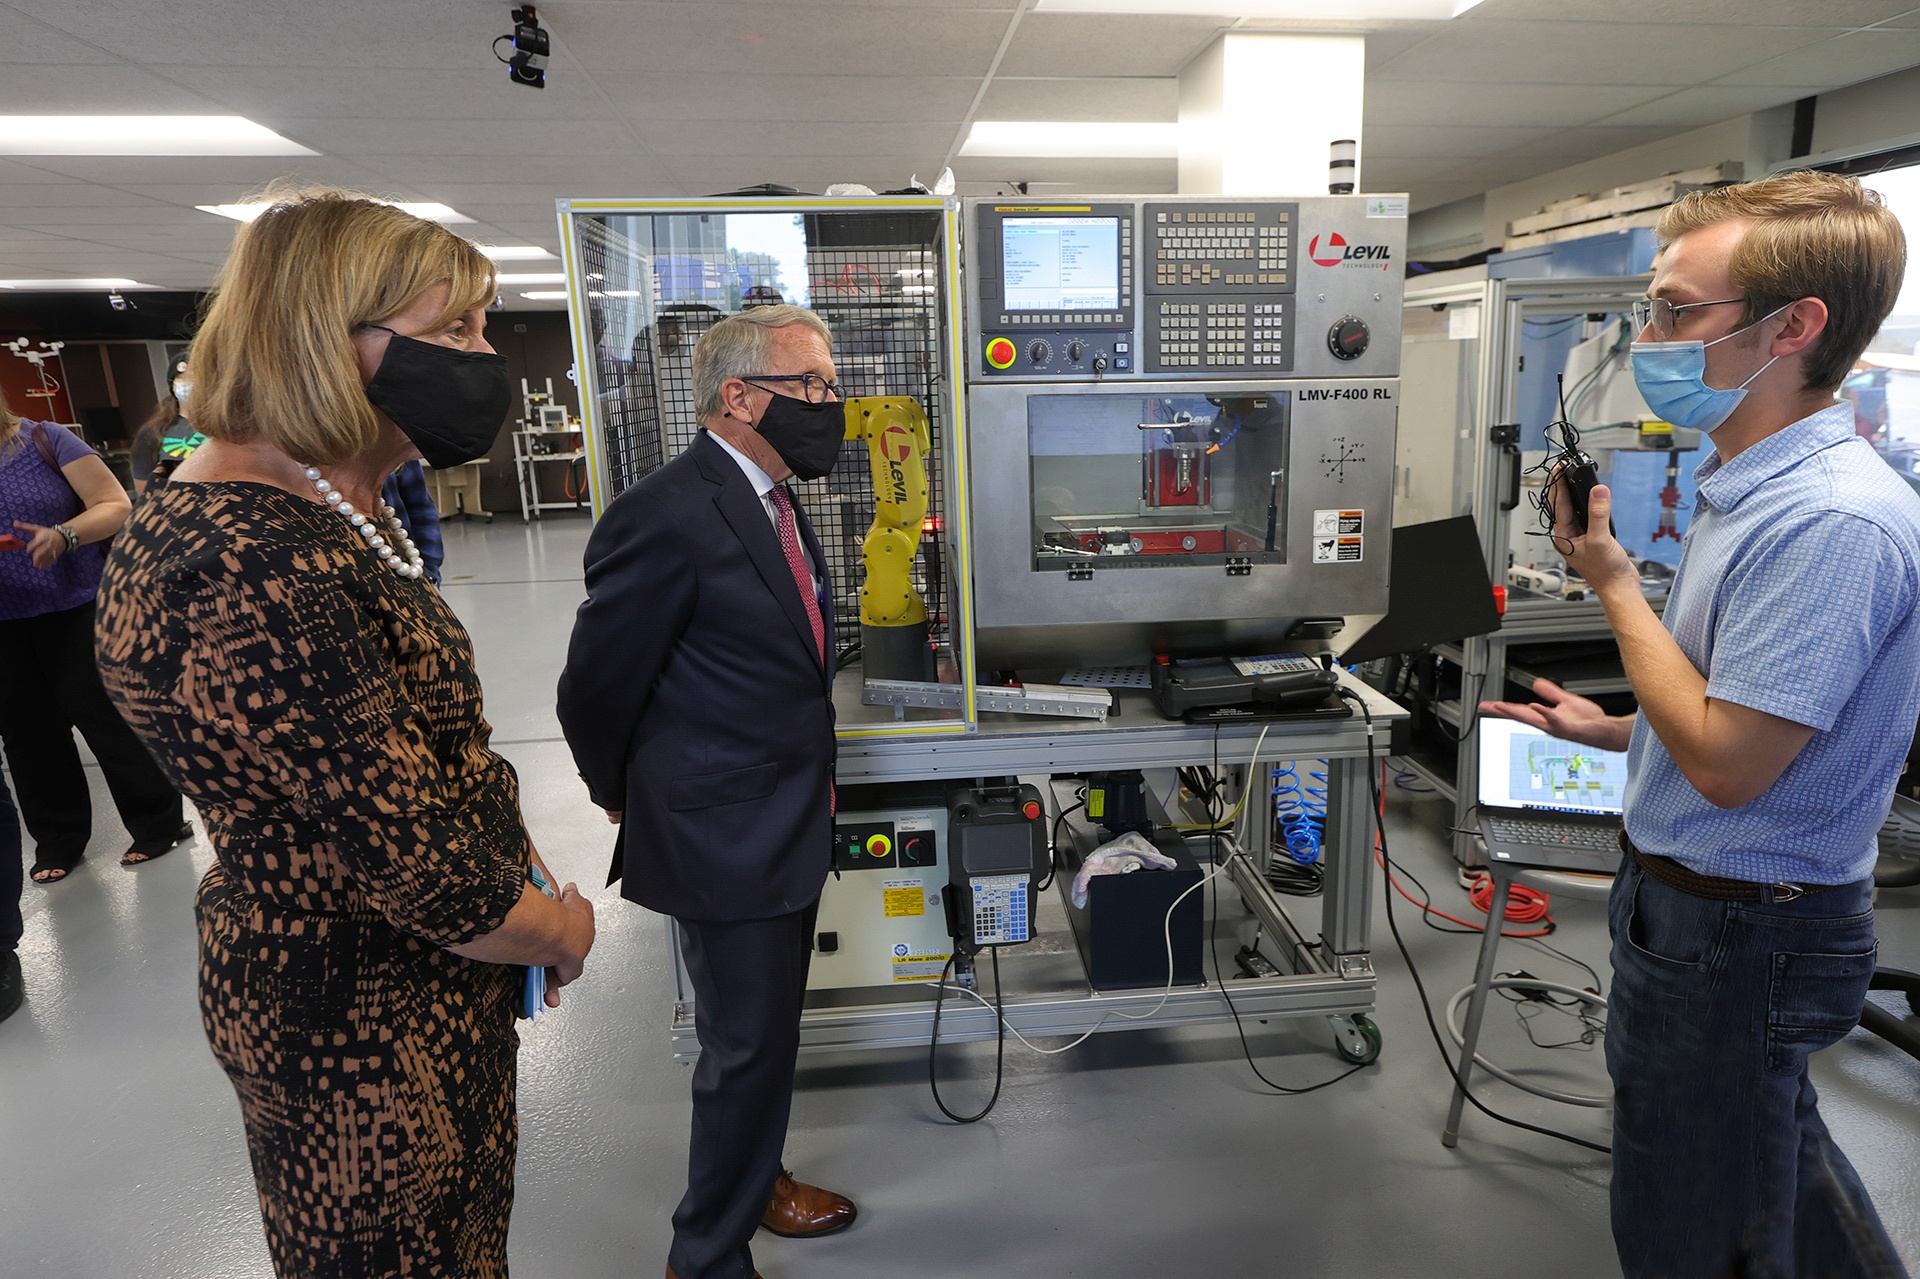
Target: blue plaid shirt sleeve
{"points": [[406, 492], [1804, 613]]}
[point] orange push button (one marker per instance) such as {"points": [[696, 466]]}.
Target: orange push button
{"points": [[1001, 353]]}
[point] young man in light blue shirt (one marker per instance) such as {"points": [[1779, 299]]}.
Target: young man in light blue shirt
{"points": [[1777, 704]]}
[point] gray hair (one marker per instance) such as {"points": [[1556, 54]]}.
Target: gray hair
{"points": [[742, 346]]}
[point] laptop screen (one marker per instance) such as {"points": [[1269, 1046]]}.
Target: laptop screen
{"points": [[1522, 767]]}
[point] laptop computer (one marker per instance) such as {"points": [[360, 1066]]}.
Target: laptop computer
{"points": [[1548, 803]]}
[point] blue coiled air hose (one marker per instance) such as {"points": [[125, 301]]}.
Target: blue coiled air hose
{"points": [[1300, 806]]}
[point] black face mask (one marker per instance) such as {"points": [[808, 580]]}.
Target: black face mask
{"points": [[806, 436], [449, 403]]}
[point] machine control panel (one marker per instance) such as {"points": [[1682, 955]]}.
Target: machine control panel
{"points": [[1055, 288], [884, 845], [1191, 287]]}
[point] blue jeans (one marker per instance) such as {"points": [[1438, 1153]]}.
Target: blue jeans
{"points": [[1721, 1163]]}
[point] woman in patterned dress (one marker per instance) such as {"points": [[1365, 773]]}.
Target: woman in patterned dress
{"points": [[271, 639]]}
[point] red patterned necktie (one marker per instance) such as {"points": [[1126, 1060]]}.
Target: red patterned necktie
{"points": [[802, 578], [797, 561]]}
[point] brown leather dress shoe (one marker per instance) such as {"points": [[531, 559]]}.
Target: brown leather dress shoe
{"points": [[800, 1211]]}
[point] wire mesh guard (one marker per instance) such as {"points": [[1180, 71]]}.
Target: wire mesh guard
{"points": [[657, 282]]}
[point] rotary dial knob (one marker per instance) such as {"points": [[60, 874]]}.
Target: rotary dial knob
{"points": [[1348, 338], [1039, 352]]}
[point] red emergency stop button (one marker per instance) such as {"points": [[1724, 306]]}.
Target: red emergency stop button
{"points": [[1001, 353], [879, 845], [1032, 810]]}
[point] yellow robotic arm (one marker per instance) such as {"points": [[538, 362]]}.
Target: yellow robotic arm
{"points": [[893, 616]]}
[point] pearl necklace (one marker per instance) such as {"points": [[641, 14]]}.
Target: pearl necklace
{"points": [[411, 566]]}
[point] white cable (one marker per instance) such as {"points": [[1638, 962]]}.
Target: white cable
{"points": [[1166, 934], [1165, 995]]}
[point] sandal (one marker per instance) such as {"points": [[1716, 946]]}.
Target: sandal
{"points": [[49, 868], [143, 851]]}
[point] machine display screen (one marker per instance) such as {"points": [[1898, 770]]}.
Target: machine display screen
{"points": [[1061, 264]]}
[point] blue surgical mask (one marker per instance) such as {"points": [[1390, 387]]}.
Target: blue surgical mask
{"points": [[1672, 379]]}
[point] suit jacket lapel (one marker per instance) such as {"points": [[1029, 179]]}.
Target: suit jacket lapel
{"points": [[741, 508]]}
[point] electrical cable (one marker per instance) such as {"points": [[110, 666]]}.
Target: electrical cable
{"points": [[1053, 843], [1426, 1005], [999, 1048], [1213, 943]]}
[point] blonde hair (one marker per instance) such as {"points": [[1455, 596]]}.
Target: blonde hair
{"points": [[1813, 235], [274, 358], [741, 346], [9, 420]]}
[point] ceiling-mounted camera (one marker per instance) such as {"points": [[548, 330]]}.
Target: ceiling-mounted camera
{"points": [[531, 44]]}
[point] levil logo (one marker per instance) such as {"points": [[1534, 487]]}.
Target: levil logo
{"points": [[1366, 255]]}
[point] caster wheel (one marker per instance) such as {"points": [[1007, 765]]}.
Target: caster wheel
{"points": [[1356, 1038]]}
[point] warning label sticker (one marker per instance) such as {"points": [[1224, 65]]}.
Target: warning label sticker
{"points": [[1334, 523], [903, 897], [912, 965], [1338, 550]]}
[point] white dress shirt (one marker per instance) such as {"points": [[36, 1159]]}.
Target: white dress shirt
{"points": [[763, 485]]}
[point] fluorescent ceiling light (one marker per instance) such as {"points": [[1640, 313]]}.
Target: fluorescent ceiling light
{"points": [[513, 252], [70, 285], [141, 135], [546, 295], [248, 212], [1104, 139], [533, 277], [1319, 10]]}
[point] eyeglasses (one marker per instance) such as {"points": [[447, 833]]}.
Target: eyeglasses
{"points": [[815, 388], [1662, 314]]}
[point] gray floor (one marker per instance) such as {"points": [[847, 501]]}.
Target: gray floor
{"points": [[1141, 1153]]}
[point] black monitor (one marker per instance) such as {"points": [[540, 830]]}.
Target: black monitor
{"points": [[1437, 592]]}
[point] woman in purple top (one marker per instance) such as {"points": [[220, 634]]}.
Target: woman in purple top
{"points": [[58, 505]]}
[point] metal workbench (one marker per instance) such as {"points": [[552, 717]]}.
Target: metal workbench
{"points": [[1331, 968]]}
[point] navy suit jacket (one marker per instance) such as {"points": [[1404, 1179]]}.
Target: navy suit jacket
{"points": [[694, 698]]}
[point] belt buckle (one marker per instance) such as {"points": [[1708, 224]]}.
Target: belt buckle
{"points": [[1788, 892]]}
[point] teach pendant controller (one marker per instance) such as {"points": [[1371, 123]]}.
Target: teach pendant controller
{"points": [[1196, 287]]}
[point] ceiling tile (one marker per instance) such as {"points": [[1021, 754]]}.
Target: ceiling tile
{"points": [[1152, 98], [1418, 140], [1569, 53], [1402, 102], [48, 89], [499, 139], [479, 91], [384, 33], [790, 38], [848, 99], [1576, 146], [25, 40], [1708, 104], [228, 173], [794, 138], [1733, 13], [1118, 176], [557, 174], [1842, 60], [1085, 44], [68, 195]]}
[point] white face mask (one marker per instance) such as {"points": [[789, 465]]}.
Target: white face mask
{"points": [[182, 388]]}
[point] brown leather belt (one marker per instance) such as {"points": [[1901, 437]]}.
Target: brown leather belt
{"points": [[1712, 887]]}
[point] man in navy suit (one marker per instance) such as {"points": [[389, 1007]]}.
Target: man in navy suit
{"points": [[697, 700]]}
